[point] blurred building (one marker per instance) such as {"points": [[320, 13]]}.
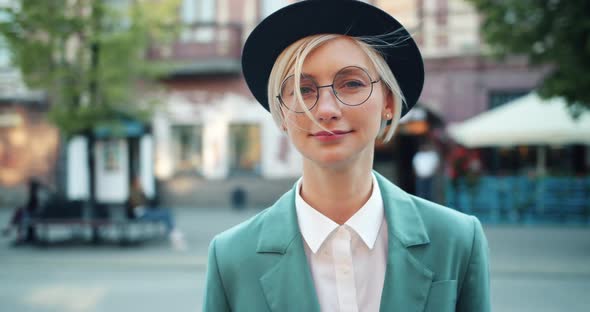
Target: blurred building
{"points": [[28, 142], [211, 136], [212, 129], [462, 80]]}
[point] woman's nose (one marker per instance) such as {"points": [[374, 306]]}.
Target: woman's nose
{"points": [[328, 106]]}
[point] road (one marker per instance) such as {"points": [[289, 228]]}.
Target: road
{"points": [[534, 268]]}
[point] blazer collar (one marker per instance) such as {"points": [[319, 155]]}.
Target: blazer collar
{"points": [[403, 219], [407, 280], [279, 227], [287, 285]]}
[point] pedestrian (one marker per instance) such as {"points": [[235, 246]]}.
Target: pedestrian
{"points": [[22, 215], [139, 208], [334, 74], [425, 163]]}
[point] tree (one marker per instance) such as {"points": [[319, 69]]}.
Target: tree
{"points": [[555, 32], [88, 56]]}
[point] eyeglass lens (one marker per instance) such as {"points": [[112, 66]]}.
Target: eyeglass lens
{"points": [[352, 86]]}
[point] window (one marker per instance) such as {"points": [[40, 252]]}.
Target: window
{"points": [[499, 98], [112, 156], [194, 12], [187, 147], [271, 6], [198, 11], [244, 149]]}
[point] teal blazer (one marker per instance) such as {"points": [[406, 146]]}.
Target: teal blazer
{"points": [[437, 260]]}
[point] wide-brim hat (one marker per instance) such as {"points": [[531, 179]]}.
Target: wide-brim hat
{"points": [[347, 17]]}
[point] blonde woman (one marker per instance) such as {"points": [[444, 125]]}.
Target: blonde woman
{"points": [[334, 74]]}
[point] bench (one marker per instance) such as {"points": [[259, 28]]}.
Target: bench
{"points": [[77, 218], [120, 230]]}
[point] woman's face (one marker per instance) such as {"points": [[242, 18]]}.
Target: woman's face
{"points": [[360, 124]]}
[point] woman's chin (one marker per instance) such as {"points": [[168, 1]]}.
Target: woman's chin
{"points": [[331, 160]]}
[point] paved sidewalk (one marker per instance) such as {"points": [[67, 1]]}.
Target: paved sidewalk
{"points": [[535, 268]]}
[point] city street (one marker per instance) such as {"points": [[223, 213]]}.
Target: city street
{"points": [[534, 268], [212, 108]]}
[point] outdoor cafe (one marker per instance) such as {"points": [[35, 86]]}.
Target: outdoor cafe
{"points": [[526, 161]]}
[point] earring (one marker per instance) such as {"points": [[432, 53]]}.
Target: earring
{"points": [[387, 116]]}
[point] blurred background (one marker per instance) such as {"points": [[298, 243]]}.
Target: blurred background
{"points": [[128, 139]]}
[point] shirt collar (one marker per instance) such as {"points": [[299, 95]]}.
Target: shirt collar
{"points": [[315, 227]]}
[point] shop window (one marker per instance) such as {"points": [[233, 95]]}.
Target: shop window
{"points": [[112, 156], [244, 149], [187, 148]]}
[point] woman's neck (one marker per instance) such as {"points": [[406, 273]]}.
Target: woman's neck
{"points": [[337, 193]]}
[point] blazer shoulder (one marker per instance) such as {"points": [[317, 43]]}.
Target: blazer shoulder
{"points": [[444, 222], [241, 236]]}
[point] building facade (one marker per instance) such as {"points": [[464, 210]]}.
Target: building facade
{"points": [[211, 128], [29, 144], [211, 137], [462, 80]]}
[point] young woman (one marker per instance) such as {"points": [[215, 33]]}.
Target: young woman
{"points": [[334, 74]]}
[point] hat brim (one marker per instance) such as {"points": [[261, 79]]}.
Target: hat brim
{"points": [[347, 17]]}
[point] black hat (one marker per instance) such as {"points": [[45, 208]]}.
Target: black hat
{"points": [[347, 17]]}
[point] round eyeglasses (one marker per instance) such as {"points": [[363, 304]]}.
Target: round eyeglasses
{"points": [[352, 86]]}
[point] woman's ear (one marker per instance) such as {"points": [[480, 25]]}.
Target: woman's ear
{"points": [[389, 105]]}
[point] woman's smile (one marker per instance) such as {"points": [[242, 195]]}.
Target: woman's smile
{"points": [[324, 136]]}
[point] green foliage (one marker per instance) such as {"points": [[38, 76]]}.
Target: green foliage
{"points": [[555, 32], [89, 56]]}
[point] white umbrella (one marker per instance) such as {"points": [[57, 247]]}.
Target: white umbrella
{"points": [[528, 120]]}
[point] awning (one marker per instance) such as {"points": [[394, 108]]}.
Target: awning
{"points": [[528, 120], [124, 128]]}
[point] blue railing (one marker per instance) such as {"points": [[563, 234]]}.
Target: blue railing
{"points": [[522, 199]]}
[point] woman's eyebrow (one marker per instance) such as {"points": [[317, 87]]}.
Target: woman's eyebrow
{"points": [[347, 66]]}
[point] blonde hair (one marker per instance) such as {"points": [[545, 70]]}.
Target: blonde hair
{"points": [[292, 59]]}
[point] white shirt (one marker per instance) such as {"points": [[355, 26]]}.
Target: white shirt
{"points": [[347, 261], [425, 163]]}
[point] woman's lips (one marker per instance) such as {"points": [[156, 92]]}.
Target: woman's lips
{"points": [[328, 137], [331, 132]]}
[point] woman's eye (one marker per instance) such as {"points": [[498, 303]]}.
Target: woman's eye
{"points": [[306, 90], [352, 84]]}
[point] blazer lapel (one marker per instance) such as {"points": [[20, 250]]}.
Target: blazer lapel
{"points": [[407, 280], [287, 285]]}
